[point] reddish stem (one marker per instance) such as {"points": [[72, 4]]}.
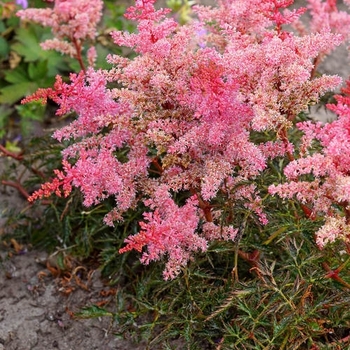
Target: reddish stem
{"points": [[283, 136], [20, 157], [157, 165], [316, 62], [11, 154], [205, 206], [334, 275], [17, 186], [307, 211], [79, 58], [22, 190]]}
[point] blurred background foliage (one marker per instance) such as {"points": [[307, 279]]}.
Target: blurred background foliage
{"points": [[25, 67], [290, 294]]}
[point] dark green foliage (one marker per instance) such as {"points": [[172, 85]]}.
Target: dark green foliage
{"points": [[284, 302], [27, 69]]}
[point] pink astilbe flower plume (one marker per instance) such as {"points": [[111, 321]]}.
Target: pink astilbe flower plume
{"points": [[326, 16], [169, 230], [72, 23], [183, 114]]}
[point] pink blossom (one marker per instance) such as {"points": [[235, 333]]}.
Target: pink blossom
{"points": [[327, 17], [68, 19], [178, 122], [212, 231], [169, 231], [334, 228], [329, 187], [71, 21]]}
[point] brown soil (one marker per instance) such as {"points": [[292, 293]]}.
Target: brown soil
{"points": [[34, 314], [37, 303]]}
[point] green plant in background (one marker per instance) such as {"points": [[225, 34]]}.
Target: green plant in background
{"points": [[25, 66], [181, 9]]}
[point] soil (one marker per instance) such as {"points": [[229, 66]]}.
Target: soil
{"points": [[38, 301], [35, 314], [37, 310]]}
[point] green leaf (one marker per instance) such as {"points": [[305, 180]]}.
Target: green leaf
{"points": [[4, 48], [13, 93], [31, 111], [274, 235], [37, 70], [13, 147], [93, 312], [17, 75], [2, 26], [28, 44]]}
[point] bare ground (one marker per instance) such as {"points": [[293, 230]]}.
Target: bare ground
{"points": [[34, 314], [37, 304]]}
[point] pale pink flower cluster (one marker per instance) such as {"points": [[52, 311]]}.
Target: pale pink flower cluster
{"points": [[325, 16], [335, 228], [71, 21], [175, 134]]}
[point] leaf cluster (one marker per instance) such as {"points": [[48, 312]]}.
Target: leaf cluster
{"points": [[282, 302], [25, 66]]}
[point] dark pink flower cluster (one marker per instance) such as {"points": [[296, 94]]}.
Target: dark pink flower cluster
{"points": [[179, 122]]}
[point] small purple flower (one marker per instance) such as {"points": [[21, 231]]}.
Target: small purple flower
{"points": [[201, 33], [23, 3]]}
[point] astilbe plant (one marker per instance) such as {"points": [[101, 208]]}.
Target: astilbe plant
{"points": [[182, 113]]}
